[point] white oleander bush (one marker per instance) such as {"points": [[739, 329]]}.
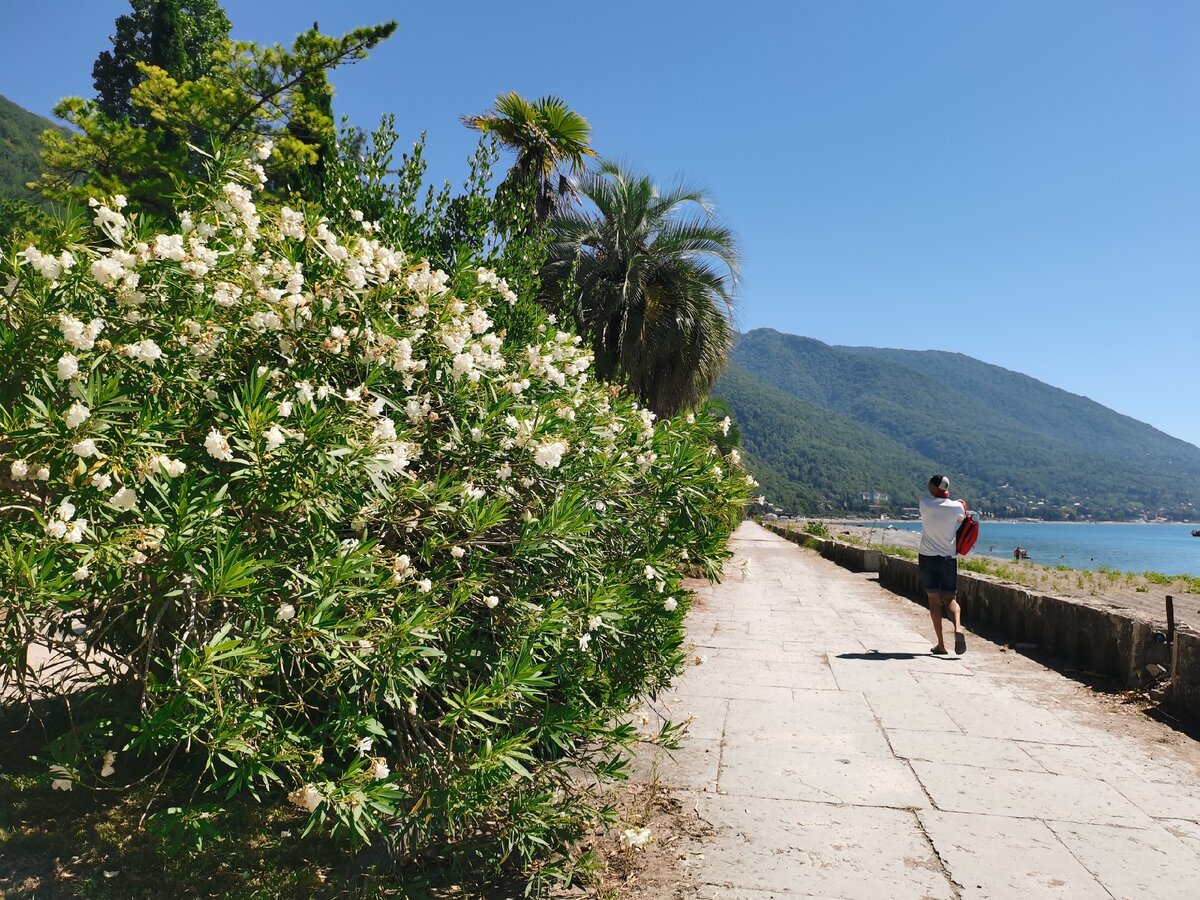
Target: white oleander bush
{"points": [[290, 514]]}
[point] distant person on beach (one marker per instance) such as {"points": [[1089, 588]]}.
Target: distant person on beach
{"points": [[1016, 554], [938, 559]]}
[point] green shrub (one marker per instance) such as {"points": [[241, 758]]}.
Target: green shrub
{"points": [[303, 522], [816, 529], [1157, 578]]}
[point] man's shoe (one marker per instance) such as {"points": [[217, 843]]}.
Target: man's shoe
{"points": [[960, 643]]}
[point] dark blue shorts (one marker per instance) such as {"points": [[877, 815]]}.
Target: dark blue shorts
{"points": [[939, 574]]}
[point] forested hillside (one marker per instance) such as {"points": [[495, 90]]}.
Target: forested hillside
{"points": [[825, 424], [19, 148]]}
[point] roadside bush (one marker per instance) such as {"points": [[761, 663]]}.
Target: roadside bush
{"points": [[817, 529], [288, 511]]}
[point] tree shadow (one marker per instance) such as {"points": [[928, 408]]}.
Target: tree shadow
{"points": [[877, 656]]}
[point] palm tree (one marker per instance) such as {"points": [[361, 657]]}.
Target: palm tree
{"points": [[547, 136], [649, 278]]}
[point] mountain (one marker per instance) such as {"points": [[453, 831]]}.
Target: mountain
{"points": [[20, 131], [822, 425]]}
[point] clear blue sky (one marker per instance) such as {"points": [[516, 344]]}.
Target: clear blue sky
{"points": [[1018, 181]]}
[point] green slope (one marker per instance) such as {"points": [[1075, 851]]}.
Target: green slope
{"points": [[1013, 444], [20, 131]]}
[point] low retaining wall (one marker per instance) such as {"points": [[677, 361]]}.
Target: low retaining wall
{"points": [[1108, 642]]}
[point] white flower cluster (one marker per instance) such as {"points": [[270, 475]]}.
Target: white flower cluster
{"points": [[79, 335], [491, 279], [60, 527], [145, 351], [49, 267]]}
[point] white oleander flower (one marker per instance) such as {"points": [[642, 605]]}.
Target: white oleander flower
{"points": [[364, 745], [76, 415], [549, 455], [594, 622], [285, 409], [425, 585], [124, 499], [584, 640], [85, 449], [218, 446], [146, 352], [68, 367], [491, 601], [307, 797], [82, 573], [19, 470], [670, 604], [635, 838], [385, 430], [77, 532], [57, 529], [164, 465], [42, 473], [285, 613], [379, 769], [101, 481], [458, 552], [275, 438], [650, 573], [108, 768]]}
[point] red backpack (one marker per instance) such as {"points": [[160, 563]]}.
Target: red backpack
{"points": [[967, 534]]}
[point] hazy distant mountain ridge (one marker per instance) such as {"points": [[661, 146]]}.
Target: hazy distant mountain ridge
{"points": [[1013, 444]]}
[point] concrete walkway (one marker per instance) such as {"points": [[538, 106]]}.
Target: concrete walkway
{"points": [[835, 758]]}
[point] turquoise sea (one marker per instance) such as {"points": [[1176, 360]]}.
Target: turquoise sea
{"points": [[1167, 548]]}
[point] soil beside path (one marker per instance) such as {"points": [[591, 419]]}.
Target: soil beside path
{"points": [[831, 756]]}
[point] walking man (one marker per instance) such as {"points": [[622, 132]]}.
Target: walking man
{"points": [[938, 560]]}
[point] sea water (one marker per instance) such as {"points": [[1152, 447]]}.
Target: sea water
{"points": [[1130, 547]]}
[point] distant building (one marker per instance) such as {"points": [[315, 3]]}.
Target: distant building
{"points": [[874, 497]]}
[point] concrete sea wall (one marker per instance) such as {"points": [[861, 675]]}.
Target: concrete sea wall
{"points": [[1133, 650]]}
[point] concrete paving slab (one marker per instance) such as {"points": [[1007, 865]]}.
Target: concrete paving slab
{"points": [[807, 726], [1031, 795], [1160, 799], [853, 675], [1134, 862], [818, 850], [938, 683], [961, 749], [705, 715], [1066, 759], [919, 713], [1010, 719], [709, 686], [820, 777], [1001, 858], [693, 770], [1186, 831]]}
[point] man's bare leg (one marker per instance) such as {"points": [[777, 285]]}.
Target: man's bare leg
{"points": [[960, 643], [935, 612]]}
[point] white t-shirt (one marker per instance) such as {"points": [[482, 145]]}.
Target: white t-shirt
{"points": [[939, 522]]}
